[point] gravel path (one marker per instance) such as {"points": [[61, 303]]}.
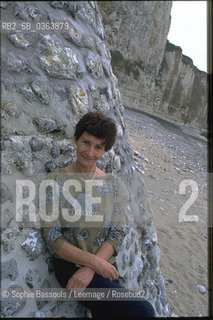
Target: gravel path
{"points": [[168, 154]]}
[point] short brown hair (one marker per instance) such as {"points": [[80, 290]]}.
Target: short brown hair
{"points": [[98, 125]]}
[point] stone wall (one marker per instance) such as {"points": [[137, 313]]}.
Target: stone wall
{"points": [[152, 73], [49, 80]]}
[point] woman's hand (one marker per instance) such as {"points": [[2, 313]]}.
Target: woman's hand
{"points": [[81, 278], [105, 269]]}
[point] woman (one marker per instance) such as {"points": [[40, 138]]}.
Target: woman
{"points": [[84, 252]]}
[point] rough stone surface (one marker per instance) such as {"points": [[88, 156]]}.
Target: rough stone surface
{"points": [[9, 269], [152, 73], [33, 278], [42, 303], [9, 238], [46, 88], [48, 125], [35, 144], [21, 40], [34, 245], [55, 151], [5, 193], [9, 306], [58, 62], [41, 90], [6, 217]]}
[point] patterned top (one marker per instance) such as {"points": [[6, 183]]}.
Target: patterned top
{"points": [[84, 213]]}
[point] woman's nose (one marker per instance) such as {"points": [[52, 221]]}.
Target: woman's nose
{"points": [[90, 151]]}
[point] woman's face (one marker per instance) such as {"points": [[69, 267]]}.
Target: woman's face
{"points": [[89, 149]]}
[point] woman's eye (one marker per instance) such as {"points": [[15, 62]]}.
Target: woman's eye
{"points": [[99, 147]]}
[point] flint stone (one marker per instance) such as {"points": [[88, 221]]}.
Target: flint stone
{"points": [[9, 269], [41, 91], [8, 109], [55, 150], [48, 125], [201, 289], [10, 306], [128, 243], [25, 220], [125, 260], [28, 164], [94, 66], [149, 282], [71, 7], [88, 42], [170, 280], [5, 193], [78, 99], [17, 64], [73, 35], [28, 12], [139, 264], [27, 92], [136, 248], [153, 255], [86, 13], [106, 91], [132, 258], [16, 143], [22, 161], [33, 278], [6, 217], [50, 166], [9, 239], [35, 144], [133, 273], [41, 303], [68, 150], [117, 163], [21, 40], [57, 61], [34, 246], [57, 4]]}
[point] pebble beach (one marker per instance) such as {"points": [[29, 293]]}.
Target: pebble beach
{"points": [[171, 157]]}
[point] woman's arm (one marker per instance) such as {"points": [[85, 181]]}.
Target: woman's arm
{"points": [[106, 251], [82, 277], [97, 262]]}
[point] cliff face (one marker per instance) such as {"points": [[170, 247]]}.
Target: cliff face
{"points": [[153, 75], [49, 80], [181, 89]]}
